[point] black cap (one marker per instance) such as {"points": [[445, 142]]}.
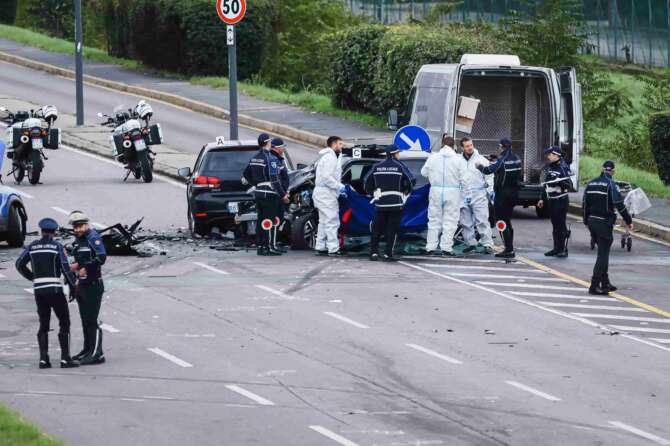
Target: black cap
{"points": [[277, 142], [263, 139], [505, 142], [48, 224], [608, 165], [392, 149], [553, 149]]}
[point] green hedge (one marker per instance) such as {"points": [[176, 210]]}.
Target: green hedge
{"points": [[7, 11], [187, 37], [659, 137], [374, 66]]}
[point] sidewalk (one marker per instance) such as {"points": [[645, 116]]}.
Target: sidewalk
{"points": [[287, 115]]}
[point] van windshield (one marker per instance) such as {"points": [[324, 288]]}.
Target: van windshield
{"points": [[430, 97]]}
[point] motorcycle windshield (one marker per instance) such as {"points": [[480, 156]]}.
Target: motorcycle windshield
{"points": [[356, 212]]}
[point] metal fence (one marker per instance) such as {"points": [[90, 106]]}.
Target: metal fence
{"points": [[629, 30]]}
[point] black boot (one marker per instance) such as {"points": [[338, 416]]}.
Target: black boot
{"points": [[596, 287], [86, 350], [96, 356], [607, 285], [66, 361], [43, 344], [551, 253]]}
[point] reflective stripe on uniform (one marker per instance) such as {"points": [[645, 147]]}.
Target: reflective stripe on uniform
{"points": [[46, 280]]}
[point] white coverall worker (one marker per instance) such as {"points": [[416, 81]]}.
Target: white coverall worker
{"points": [[475, 206], [326, 192], [444, 171]]}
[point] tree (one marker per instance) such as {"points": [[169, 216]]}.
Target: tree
{"points": [[54, 16]]}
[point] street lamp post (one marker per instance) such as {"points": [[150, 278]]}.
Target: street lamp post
{"points": [[79, 75]]}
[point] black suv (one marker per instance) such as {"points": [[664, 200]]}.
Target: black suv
{"points": [[215, 188]]}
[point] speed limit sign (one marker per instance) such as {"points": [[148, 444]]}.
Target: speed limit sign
{"points": [[231, 11]]}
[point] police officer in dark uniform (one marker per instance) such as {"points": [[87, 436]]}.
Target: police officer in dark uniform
{"points": [[557, 184], [89, 256], [48, 261], [601, 197], [389, 182], [262, 172], [507, 170], [278, 147]]}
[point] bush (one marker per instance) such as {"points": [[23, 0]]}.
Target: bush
{"points": [[353, 66], [8, 11], [404, 49], [659, 137]]}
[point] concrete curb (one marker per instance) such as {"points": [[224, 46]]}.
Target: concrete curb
{"points": [[642, 226], [302, 136]]}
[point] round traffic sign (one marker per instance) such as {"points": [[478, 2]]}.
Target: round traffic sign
{"points": [[231, 11]]}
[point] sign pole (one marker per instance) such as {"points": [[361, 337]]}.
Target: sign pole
{"points": [[79, 69], [232, 77]]}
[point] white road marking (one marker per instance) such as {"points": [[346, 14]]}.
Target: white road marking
{"points": [[61, 210], [523, 285], [28, 290], [533, 304], [169, 357], [160, 398], [454, 259], [434, 353], [135, 400], [593, 307], [486, 267], [508, 276], [641, 329], [345, 319], [628, 318], [333, 436], [211, 268], [661, 340], [278, 293], [109, 328], [536, 392], [252, 396], [2, 276], [19, 192], [560, 296], [639, 432]]}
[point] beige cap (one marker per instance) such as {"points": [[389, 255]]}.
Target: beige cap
{"points": [[77, 217]]}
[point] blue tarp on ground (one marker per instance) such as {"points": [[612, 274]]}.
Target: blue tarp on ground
{"points": [[414, 216]]}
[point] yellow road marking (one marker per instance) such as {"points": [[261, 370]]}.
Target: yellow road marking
{"points": [[573, 279]]}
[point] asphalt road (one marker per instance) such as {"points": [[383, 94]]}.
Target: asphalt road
{"points": [[209, 347]]}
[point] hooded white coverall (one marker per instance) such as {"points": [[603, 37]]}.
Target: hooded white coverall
{"points": [[326, 192], [475, 206], [444, 171]]}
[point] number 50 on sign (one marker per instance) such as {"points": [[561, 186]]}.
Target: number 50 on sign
{"points": [[231, 11]]}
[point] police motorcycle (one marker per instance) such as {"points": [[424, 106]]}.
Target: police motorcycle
{"points": [[28, 134], [132, 138]]}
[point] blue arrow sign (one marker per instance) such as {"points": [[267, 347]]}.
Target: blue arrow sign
{"points": [[412, 137]]}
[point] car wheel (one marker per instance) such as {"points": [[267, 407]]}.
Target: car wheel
{"points": [[196, 228], [303, 232], [16, 230]]}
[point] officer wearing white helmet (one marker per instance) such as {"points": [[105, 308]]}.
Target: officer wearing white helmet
{"points": [[475, 205], [445, 172], [327, 189], [89, 256]]}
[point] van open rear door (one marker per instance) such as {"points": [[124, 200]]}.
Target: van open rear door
{"points": [[571, 130]]}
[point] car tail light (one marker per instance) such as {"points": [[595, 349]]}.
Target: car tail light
{"points": [[200, 214], [205, 182]]}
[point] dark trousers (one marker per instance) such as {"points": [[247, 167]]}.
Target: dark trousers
{"points": [[503, 207], [89, 298], [57, 303], [266, 208], [601, 232], [385, 222], [558, 211]]}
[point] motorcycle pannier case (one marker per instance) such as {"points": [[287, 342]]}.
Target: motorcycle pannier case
{"points": [[117, 145], [52, 140], [155, 135]]}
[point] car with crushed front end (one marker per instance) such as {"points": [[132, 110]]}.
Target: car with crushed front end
{"points": [[215, 188]]}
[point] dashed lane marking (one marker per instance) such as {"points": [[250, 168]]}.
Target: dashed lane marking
{"points": [[527, 285], [333, 436], [593, 307], [453, 259], [345, 319], [109, 328], [252, 396], [485, 267], [560, 296], [278, 293], [211, 268], [640, 433], [509, 277], [532, 390], [169, 357], [434, 354], [60, 210], [661, 340], [657, 320], [641, 329]]}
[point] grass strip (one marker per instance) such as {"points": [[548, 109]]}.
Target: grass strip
{"points": [[590, 167], [16, 431]]}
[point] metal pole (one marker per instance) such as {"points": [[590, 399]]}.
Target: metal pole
{"points": [[79, 66], [232, 76], [650, 34], [632, 31]]}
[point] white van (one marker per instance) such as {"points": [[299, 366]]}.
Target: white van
{"points": [[534, 106]]}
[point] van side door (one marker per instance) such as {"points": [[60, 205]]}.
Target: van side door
{"points": [[571, 127]]}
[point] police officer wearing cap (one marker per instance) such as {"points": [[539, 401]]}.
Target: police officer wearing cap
{"points": [[557, 184], [48, 262], [263, 173], [601, 198], [277, 148], [89, 256], [506, 181], [389, 182]]}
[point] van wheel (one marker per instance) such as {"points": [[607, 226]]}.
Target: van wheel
{"points": [[303, 232], [16, 229], [541, 212]]}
